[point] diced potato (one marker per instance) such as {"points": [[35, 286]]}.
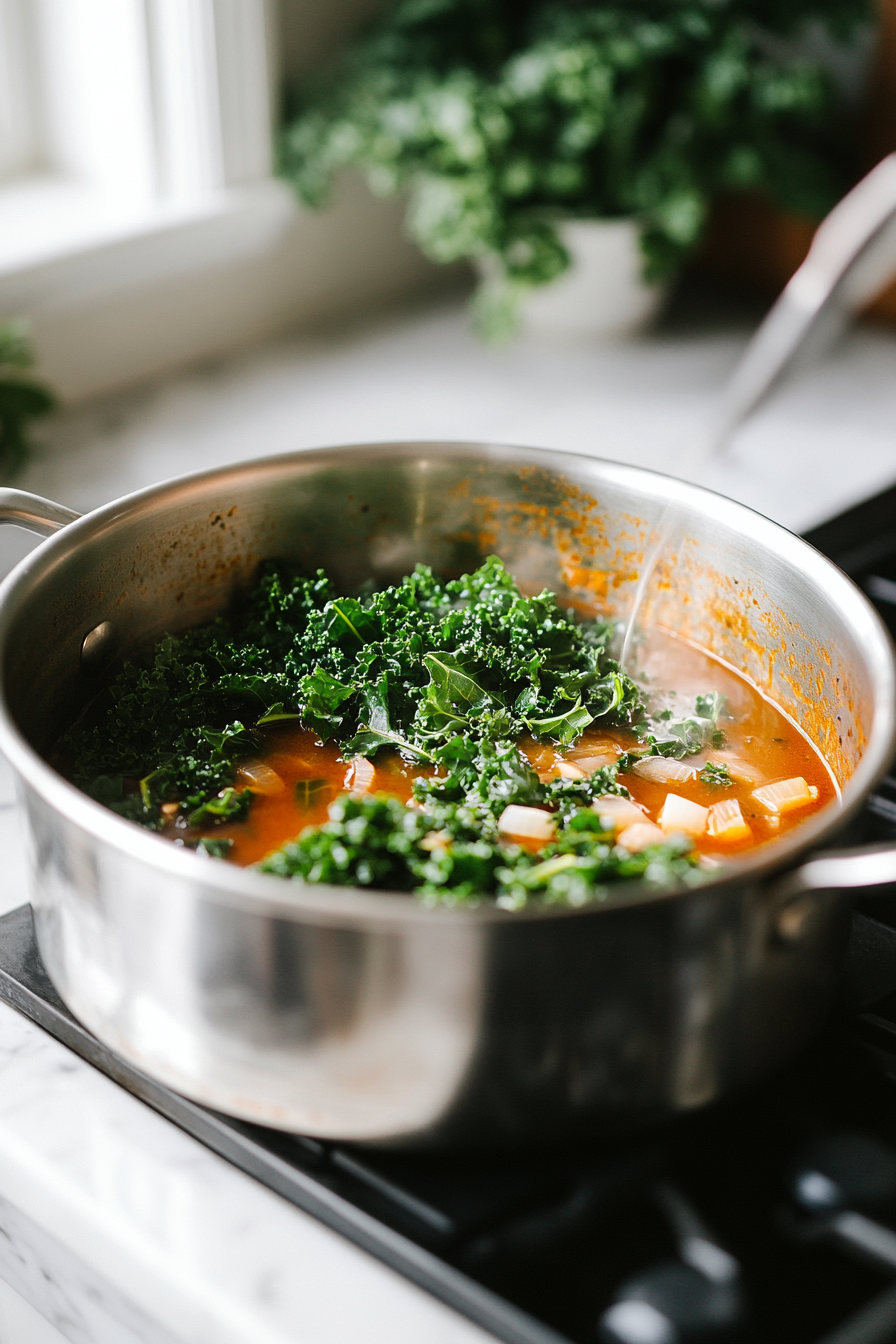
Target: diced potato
{"points": [[680, 814], [436, 840], [726, 823], [663, 770], [621, 811], [527, 823], [260, 778], [785, 795], [359, 775], [566, 770], [639, 836]]}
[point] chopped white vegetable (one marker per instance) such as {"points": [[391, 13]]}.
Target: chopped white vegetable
{"points": [[680, 814], [436, 840], [739, 769], [663, 770], [260, 778], [588, 764], [527, 823], [726, 823], [621, 811], [784, 795], [566, 770], [359, 775], [639, 836]]}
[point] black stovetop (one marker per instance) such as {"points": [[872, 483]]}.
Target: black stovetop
{"points": [[770, 1219]]}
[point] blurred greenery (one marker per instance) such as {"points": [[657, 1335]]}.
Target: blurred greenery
{"points": [[22, 399], [499, 117]]}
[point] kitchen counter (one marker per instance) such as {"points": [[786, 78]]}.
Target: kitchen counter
{"points": [[115, 1225]]}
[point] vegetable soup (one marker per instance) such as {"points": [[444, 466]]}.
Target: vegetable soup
{"points": [[452, 739]]}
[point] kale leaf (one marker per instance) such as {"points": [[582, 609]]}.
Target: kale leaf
{"points": [[415, 666], [448, 850], [717, 775]]}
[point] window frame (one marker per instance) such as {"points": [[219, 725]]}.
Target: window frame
{"points": [[142, 147]]}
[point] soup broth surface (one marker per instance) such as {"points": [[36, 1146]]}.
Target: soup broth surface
{"points": [[295, 776]]}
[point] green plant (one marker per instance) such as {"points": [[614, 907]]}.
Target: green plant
{"points": [[22, 399], [500, 116]]}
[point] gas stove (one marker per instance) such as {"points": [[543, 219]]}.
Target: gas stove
{"points": [[769, 1218]]}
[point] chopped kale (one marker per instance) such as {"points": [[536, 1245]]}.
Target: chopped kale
{"points": [[448, 850], [216, 848], [449, 854], [666, 735], [229, 805], [412, 666], [450, 673], [366, 843], [716, 775]]}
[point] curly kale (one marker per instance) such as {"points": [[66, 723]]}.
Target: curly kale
{"points": [[413, 666], [449, 673], [448, 851], [717, 775]]}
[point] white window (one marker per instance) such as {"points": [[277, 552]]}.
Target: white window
{"points": [[134, 139]]}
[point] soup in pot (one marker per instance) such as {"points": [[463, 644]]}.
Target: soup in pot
{"points": [[454, 739]]}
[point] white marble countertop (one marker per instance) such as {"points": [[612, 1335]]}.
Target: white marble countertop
{"points": [[115, 1225]]}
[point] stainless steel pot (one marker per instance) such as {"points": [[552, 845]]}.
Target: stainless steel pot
{"points": [[361, 1015]]}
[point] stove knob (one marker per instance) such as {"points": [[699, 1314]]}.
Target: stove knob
{"points": [[672, 1303], [845, 1171]]}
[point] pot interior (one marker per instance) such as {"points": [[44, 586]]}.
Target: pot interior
{"points": [[179, 554]]}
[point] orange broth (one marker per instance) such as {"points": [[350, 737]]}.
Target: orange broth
{"points": [[304, 775]]}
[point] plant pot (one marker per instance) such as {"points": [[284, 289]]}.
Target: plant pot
{"points": [[603, 295]]}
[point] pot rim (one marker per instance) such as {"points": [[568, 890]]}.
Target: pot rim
{"points": [[260, 892]]}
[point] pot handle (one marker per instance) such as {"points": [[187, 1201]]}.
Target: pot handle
{"points": [[20, 509], [840, 870]]}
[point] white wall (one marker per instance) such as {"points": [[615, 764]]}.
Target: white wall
{"points": [[351, 256]]}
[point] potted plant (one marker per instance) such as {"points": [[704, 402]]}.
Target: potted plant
{"points": [[532, 135], [22, 399]]}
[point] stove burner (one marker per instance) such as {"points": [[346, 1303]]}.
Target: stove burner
{"points": [[768, 1219]]}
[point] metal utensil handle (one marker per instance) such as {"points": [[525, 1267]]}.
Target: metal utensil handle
{"points": [[836, 268], [842, 869], [35, 514]]}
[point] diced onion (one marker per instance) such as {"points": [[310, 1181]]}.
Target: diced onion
{"points": [[621, 811], [260, 778], [588, 764], [601, 746], [663, 770], [785, 795], [359, 776], [527, 823], [680, 814], [639, 836], [726, 823]]}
